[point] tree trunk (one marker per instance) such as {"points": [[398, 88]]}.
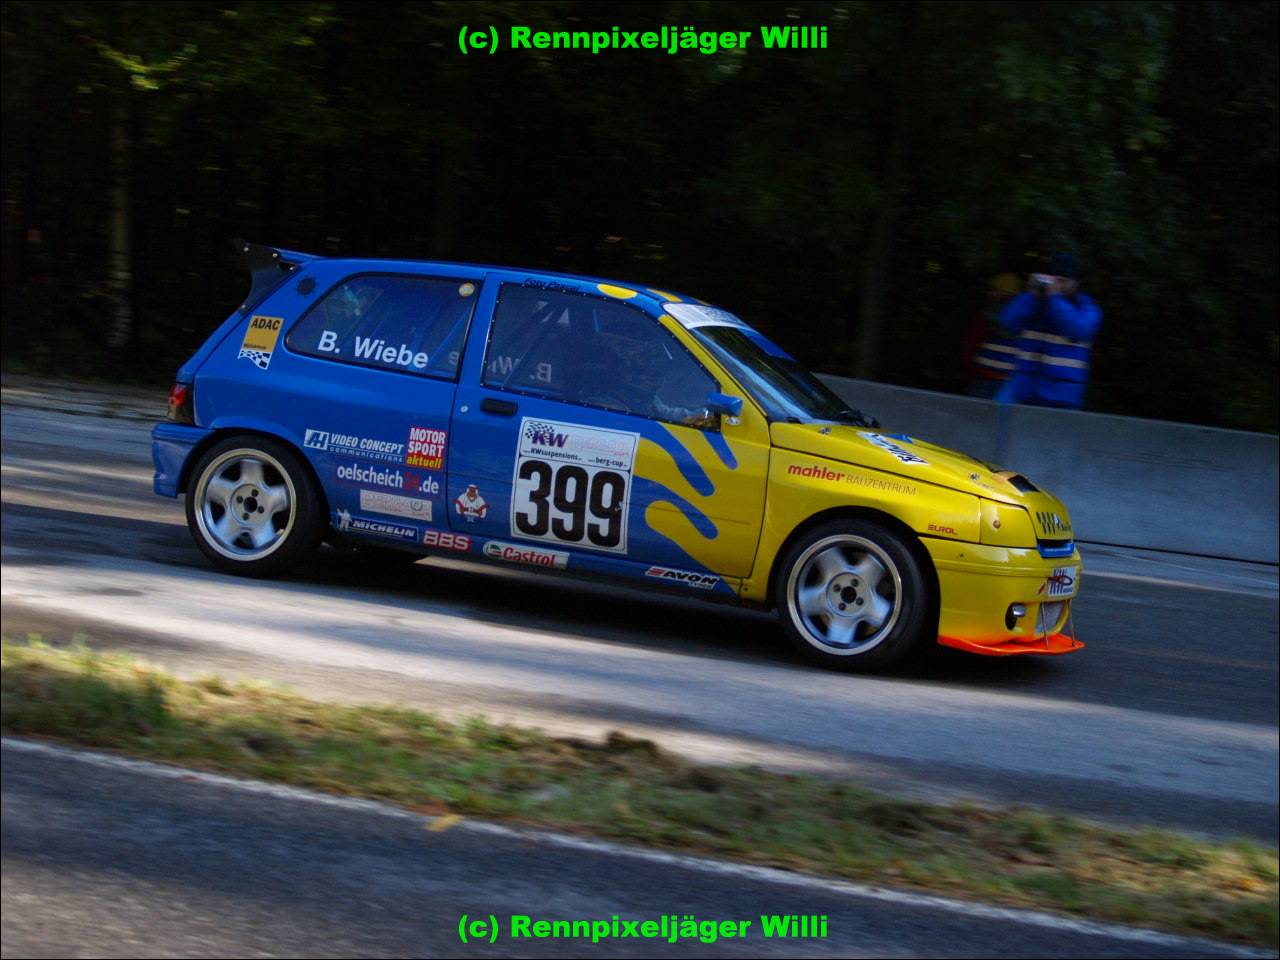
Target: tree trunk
{"points": [[879, 256], [876, 264], [121, 264]]}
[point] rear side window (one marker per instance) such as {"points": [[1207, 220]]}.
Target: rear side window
{"points": [[406, 324], [593, 352]]}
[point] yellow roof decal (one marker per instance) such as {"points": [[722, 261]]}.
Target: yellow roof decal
{"points": [[622, 293]]}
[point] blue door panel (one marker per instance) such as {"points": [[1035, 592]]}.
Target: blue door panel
{"points": [[486, 451]]}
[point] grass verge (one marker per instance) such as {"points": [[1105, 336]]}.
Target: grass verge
{"points": [[630, 790]]}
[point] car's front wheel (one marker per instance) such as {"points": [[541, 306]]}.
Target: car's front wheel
{"points": [[252, 506], [853, 595]]}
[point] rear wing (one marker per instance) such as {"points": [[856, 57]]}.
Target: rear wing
{"points": [[268, 267]]}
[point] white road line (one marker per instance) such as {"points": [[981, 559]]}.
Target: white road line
{"points": [[902, 898], [1261, 590]]}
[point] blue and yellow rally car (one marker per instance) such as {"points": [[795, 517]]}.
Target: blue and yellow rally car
{"points": [[573, 424]]}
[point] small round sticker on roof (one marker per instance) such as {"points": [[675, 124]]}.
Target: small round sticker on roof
{"points": [[622, 293]]}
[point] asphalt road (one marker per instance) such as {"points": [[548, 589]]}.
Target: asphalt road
{"points": [[111, 862], [1169, 715]]}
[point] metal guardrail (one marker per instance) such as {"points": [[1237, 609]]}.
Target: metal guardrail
{"points": [[1129, 482]]}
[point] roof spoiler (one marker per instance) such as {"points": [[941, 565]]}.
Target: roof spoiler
{"points": [[268, 266]]}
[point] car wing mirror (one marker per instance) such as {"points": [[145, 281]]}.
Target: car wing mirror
{"points": [[723, 405]]}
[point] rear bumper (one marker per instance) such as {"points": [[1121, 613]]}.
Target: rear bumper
{"points": [[980, 583], [171, 446]]}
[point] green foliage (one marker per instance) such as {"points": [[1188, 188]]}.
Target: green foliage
{"points": [[1142, 135], [633, 790]]}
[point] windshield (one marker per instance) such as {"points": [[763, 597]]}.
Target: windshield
{"points": [[775, 379]]}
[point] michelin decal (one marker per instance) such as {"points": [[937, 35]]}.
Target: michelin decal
{"points": [[378, 528]]}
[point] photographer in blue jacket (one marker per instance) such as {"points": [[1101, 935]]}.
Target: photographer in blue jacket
{"points": [[1055, 324]]}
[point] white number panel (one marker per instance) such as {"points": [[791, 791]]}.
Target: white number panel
{"points": [[572, 484]]}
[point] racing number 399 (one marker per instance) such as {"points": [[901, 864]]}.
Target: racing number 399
{"points": [[567, 502]]}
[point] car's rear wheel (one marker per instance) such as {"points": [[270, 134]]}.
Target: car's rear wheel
{"points": [[854, 595], [253, 507]]}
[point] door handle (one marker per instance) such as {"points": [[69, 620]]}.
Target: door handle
{"points": [[502, 408]]}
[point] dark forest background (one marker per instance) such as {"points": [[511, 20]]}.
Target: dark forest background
{"points": [[852, 202]]}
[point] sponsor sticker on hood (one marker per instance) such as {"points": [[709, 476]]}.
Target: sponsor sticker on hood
{"points": [[894, 445]]}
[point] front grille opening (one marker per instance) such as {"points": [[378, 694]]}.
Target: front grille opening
{"points": [[1050, 617]]}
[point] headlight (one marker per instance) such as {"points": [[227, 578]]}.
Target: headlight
{"points": [[1006, 526]]}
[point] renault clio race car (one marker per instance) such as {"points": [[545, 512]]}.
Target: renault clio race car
{"points": [[562, 423]]}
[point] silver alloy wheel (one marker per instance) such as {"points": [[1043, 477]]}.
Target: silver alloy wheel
{"points": [[844, 594], [245, 504]]}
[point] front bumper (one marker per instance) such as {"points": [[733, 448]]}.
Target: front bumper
{"points": [[1050, 644], [979, 583], [171, 446]]}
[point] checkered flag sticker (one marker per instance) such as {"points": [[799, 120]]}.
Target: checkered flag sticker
{"points": [[536, 429], [261, 358]]}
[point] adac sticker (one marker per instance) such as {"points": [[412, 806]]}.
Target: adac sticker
{"points": [[260, 340], [470, 505]]}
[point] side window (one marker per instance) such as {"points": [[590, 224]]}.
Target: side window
{"points": [[599, 353], [407, 324]]}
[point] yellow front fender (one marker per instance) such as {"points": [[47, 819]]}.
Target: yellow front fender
{"points": [[802, 487]]}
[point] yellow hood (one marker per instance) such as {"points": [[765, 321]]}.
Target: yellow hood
{"points": [[908, 457]]}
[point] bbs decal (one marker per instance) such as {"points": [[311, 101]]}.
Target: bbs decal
{"points": [[572, 484]]}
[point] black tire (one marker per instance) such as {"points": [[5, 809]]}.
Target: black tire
{"points": [[224, 475], [825, 583]]}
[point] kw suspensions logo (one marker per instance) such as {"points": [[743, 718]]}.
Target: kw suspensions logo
{"points": [[544, 434]]}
